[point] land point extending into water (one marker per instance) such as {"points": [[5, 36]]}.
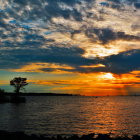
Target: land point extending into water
{"points": [[22, 136], [20, 97]]}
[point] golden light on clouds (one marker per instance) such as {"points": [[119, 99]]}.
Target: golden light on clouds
{"points": [[92, 46], [94, 84], [100, 51], [38, 67], [93, 66], [89, 84]]}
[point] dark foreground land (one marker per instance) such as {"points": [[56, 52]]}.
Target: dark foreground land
{"points": [[4, 135]]}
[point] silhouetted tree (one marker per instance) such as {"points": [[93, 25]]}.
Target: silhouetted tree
{"points": [[18, 83]]}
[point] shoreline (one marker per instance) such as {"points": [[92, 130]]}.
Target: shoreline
{"points": [[61, 94], [41, 94]]}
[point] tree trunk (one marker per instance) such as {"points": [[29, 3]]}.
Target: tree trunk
{"points": [[17, 90]]}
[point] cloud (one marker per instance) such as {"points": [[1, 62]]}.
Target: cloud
{"points": [[106, 35], [72, 32], [70, 61], [125, 62], [35, 9], [63, 55], [122, 63], [137, 5], [44, 67]]}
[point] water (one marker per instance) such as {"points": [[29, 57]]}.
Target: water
{"points": [[73, 115]]}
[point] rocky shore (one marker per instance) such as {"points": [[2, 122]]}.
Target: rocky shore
{"points": [[22, 136]]}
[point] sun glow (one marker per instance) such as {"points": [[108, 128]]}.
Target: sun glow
{"points": [[107, 76]]}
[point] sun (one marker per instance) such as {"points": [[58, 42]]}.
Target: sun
{"points": [[107, 76]]}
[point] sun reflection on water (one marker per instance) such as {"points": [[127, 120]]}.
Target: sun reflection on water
{"points": [[73, 115]]}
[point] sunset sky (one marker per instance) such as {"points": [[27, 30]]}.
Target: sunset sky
{"points": [[87, 47]]}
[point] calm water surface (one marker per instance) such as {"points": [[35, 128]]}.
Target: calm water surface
{"points": [[73, 115]]}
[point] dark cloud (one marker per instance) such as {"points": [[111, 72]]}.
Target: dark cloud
{"points": [[16, 58], [119, 4], [49, 69], [122, 63], [34, 37], [44, 9], [126, 1], [137, 5], [119, 64], [105, 35]]}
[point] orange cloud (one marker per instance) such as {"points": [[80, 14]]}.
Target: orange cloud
{"points": [[93, 66], [37, 67]]}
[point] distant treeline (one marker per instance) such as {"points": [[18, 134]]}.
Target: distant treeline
{"points": [[42, 94], [5, 135]]}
